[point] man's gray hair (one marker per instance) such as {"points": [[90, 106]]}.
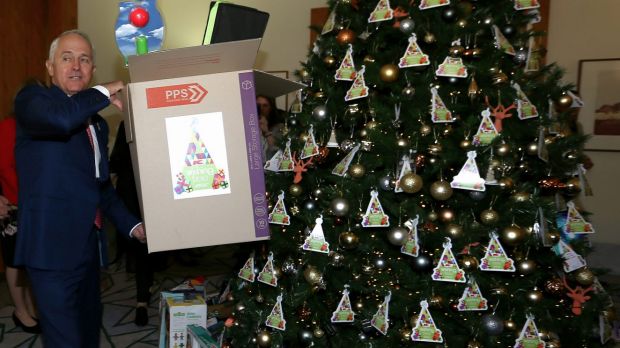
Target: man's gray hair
{"points": [[54, 44]]}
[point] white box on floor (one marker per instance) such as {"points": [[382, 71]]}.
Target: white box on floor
{"points": [[177, 313]]}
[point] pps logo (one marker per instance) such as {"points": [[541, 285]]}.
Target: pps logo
{"points": [[185, 94]]}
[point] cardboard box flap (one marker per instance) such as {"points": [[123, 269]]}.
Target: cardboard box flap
{"points": [[197, 60], [274, 86]]}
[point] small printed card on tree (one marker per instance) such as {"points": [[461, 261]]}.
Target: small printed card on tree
{"points": [[330, 23], [525, 108], [452, 67], [495, 258], [411, 246], [468, 177], [472, 299], [247, 271], [286, 162], [486, 131], [276, 317], [439, 111], [316, 240], [358, 88], [268, 274], [273, 164], [380, 320], [447, 269], [526, 4], [310, 147], [490, 179], [529, 337], [426, 4], [425, 329], [575, 223], [343, 166], [404, 169], [572, 260], [344, 312], [413, 55], [346, 71], [501, 42], [375, 216], [382, 12], [278, 215]]}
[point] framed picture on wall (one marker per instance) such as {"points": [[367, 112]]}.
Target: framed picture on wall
{"points": [[599, 82], [281, 101]]}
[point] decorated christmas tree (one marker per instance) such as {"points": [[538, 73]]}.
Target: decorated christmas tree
{"points": [[435, 191]]}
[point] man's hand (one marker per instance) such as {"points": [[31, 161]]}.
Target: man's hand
{"points": [[4, 207], [139, 233], [114, 88]]}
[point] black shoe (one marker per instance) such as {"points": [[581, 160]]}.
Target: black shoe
{"points": [[36, 329], [142, 316]]}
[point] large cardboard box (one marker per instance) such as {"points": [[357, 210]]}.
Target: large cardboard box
{"points": [[177, 313], [192, 126]]}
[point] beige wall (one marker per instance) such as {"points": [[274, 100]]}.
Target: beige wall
{"points": [[589, 30]]}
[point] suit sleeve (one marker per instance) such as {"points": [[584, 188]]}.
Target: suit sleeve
{"points": [[43, 111]]}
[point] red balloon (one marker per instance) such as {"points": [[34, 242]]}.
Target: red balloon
{"points": [[139, 17]]}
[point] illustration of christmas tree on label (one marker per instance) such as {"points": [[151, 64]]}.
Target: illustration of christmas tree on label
{"points": [[380, 320], [382, 12], [575, 223], [572, 260], [472, 299], [375, 216], [439, 111], [316, 240], [406, 168], [413, 55], [502, 43], [343, 313], [358, 88], [247, 271], [281, 161], [278, 215], [468, 177], [529, 337], [411, 246], [343, 166], [525, 108], [495, 258], [276, 317], [447, 269], [310, 147], [426, 4], [425, 329], [526, 4], [452, 66], [268, 274], [486, 131], [199, 167], [346, 71]]}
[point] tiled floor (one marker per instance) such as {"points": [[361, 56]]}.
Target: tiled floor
{"points": [[215, 263]]}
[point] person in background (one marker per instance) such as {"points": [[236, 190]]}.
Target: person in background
{"points": [[271, 131], [62, 169], [24, 314]]}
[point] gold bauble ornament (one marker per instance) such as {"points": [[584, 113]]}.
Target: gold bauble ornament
{"points": [[329, 61], [564, 102], [402, 142], [474, 344], [368, 59], [411, 182], [425, 130], [446, 215], [532, 148], [554, 344], [506, 183], [553, 236], [454, 230], [264, 339], [429, 38], [389, 73], [465, 144], [489, 217], [312, 275], [345, 36], [510, 325], [512, 235], [405, 334], [435, 149], [304, 74], [499, 79], [573, 186], [432, 216], [534, 296], [584, 276], [348, 240], [456, 50], [318, 332], [468, 262], [441, 190], [526, 267], [371, 124], [502, 149], [436, 301], [461, 23], [520, 197], [319, 94], [357, 170], [295, 190]]}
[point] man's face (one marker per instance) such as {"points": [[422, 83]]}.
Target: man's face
{"points": [[72, 66]]}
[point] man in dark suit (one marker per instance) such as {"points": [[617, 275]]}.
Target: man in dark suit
{"points": [[64, 187]]}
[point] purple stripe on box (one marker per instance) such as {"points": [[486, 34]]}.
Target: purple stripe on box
{"points": [[255, 156]]}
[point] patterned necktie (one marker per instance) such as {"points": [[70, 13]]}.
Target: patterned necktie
{"points": [[98, 216]]}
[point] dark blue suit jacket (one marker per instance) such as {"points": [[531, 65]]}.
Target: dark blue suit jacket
{"points": [[58, 191]]}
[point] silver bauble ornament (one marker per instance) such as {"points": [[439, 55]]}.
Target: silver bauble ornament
{"points": [[384, 182], [407, 25], [339, 206], [263, 339], [398, 235], [320, 113], [492, 324], [408, 92]]}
